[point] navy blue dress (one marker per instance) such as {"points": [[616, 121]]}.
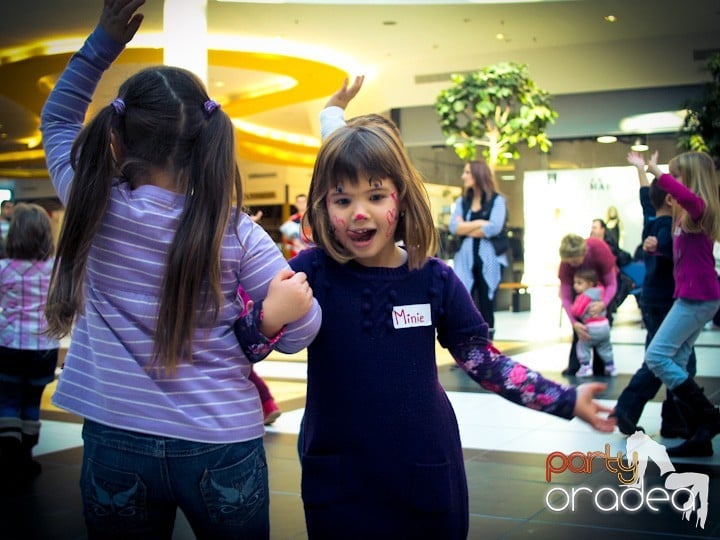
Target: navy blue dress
{"points": [[381, 452]]}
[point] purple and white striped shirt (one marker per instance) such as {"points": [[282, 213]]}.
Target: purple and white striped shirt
{"points": [[23, 293], [209, 399]]}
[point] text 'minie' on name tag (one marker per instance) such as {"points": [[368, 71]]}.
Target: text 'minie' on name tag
{"points": [[411, 315]]}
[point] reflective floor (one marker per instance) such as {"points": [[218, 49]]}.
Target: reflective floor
{"points": [[507, 449]]}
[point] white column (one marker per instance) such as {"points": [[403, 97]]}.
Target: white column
{"points": [[185, 29]]}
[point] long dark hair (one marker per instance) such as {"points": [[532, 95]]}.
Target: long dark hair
{"points": [[164, 123], [485, 183]]}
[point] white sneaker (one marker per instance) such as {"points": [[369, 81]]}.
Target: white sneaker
{"points": [[585, 371], [611, 370]]}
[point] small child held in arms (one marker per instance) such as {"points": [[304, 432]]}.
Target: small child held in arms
{"points": [[589, 289]]}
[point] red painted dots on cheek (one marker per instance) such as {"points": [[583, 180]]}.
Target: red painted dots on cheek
{"points": [[391, 217]]}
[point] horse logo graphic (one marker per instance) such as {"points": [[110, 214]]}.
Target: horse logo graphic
{"points": [[640, 447]]}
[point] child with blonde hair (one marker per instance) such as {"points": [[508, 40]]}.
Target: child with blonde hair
{"points": [[693, 184]]}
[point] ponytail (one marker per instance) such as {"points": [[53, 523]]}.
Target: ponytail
{"points": [[92, 160]]}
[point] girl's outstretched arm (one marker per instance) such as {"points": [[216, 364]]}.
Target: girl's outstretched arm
{"points": [[462, 330]]}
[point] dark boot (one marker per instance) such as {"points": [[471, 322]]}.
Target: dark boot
{"points": [[626, 421], [673, 424], [630, 404], [708, 419], [30, 438], [28, 466], [10, 458]]}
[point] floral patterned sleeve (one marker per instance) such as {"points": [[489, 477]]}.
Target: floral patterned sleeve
{"points": [[502, 375], [253, 343], [463, 332]]}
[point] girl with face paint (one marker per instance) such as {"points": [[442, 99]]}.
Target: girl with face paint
{"points": [[380, 449]]}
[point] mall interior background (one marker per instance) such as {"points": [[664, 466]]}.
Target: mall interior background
{"points": [[599, 74]]}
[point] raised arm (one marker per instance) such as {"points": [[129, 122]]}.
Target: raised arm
{"points": [[64, 111], [638, 161], [332, 116], [346, 93]]}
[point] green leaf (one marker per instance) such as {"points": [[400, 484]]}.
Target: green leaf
{"points": [[495, 108]]}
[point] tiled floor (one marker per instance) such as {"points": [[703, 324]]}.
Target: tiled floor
{"points": [[506, 449]]}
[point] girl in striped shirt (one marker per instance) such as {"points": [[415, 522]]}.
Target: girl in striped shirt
{"points": [[152, 251]]}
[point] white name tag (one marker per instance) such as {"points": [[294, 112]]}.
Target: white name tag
{"points": [[412, 315]]}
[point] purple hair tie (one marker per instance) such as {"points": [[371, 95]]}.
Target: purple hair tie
{"points": [[210, 105], [119, 105]]}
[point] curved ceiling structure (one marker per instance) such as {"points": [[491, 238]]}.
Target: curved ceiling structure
{"points": [[27, 81]]}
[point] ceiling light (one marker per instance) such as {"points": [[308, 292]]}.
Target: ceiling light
{"points": [[657, 122], [606, 139], [610, 18], [639, 144], [500, 36]]}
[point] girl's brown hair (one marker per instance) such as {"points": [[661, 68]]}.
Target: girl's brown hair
{"points": [[165, 125], [698, 173], [374, 151], [30, 236], [485, 183]]}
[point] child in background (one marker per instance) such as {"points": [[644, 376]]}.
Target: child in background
{"points": [[246, 332], [153, 248], [295, 237], [588, 289], [693, 185], [381, 453], [656, 300], [28, 357]]}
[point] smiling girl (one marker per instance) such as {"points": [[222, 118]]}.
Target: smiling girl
{"points": [[381, 453]]}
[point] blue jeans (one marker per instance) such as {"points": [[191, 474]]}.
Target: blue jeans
{"points": [[132, 484], [644, 384], [668, 353]]}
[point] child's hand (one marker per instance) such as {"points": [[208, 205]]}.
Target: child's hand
{"points": [[587, 409], [650, 244], [119, 19], [652, 165], [595, 309], [581, 331], [342, 97], [289, 297], [654, 158], [635, 158]]}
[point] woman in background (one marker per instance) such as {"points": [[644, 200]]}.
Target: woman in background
{"points": [[479, 215]]}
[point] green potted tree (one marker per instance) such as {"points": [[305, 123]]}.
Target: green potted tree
{"points": [[495, 108], [701, 128]]}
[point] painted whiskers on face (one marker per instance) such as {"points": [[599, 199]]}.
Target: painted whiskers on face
{"points": [[365, 216]]}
